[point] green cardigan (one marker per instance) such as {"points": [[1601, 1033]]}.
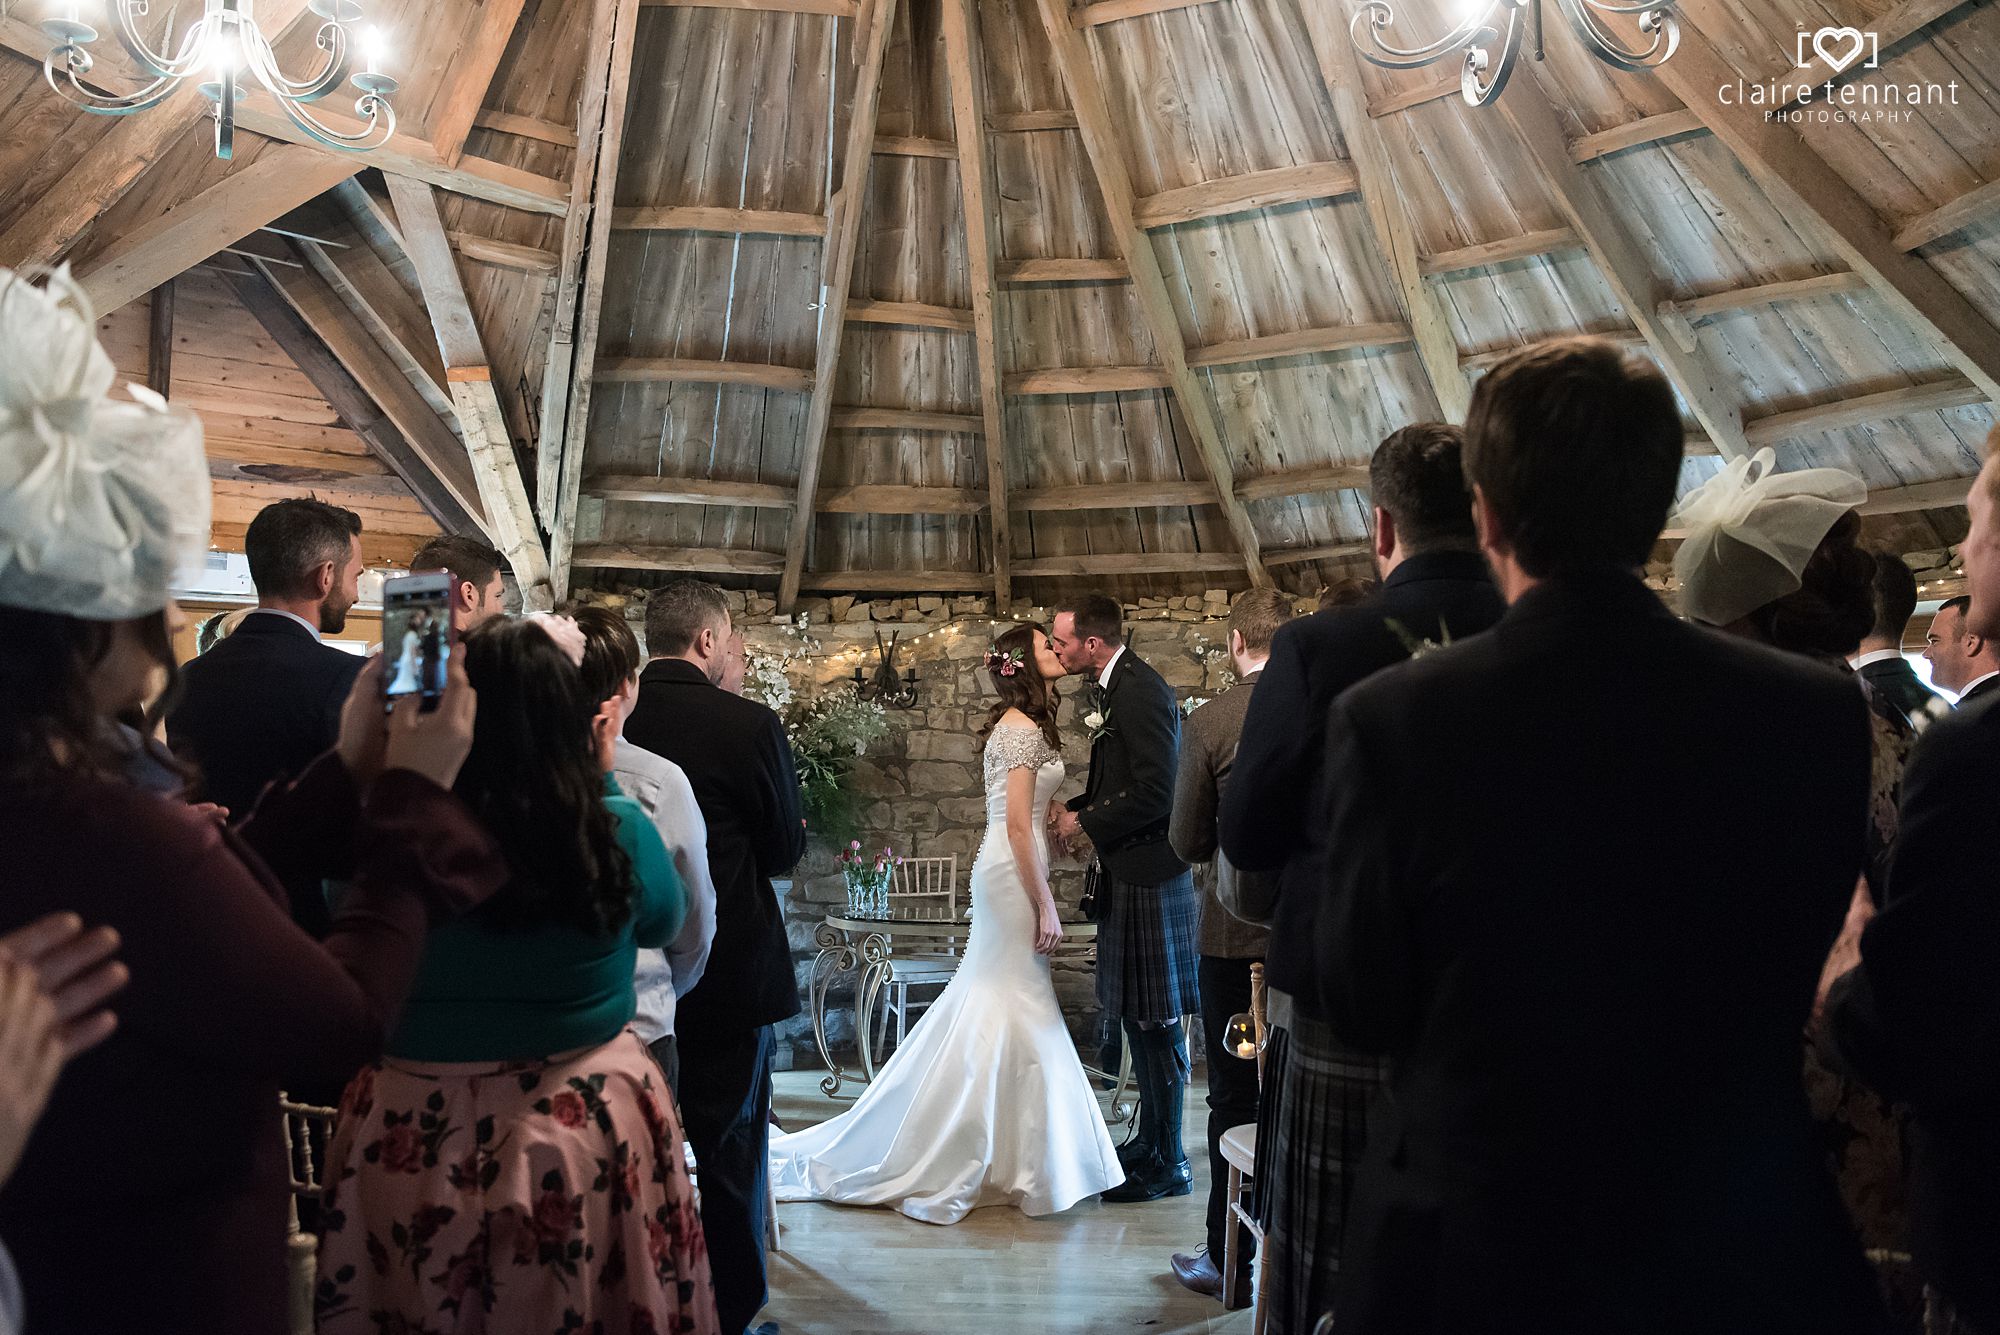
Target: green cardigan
{"points": [[484, 995]]}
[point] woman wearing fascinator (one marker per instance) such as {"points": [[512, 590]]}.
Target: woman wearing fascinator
{"points": [[986, 1102], [153, 1195], [1776, 557]]}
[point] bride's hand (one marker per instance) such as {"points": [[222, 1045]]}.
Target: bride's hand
{"points": [[1048, 928]]}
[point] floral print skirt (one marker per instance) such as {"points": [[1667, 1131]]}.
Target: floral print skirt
{"points": [[523, 1198]]}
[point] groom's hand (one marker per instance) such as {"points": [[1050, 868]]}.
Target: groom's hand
{"points": [[1065, 824]]}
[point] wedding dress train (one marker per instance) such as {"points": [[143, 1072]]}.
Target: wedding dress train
{"points": [[985, 1102]]}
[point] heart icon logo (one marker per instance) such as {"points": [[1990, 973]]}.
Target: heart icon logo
{"points": [[1839, 47]]}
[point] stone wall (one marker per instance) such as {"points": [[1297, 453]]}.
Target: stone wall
{"points": [[920, 786]]}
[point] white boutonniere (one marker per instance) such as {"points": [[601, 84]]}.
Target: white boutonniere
{"points": [[1098, 722], [1417, 647]]}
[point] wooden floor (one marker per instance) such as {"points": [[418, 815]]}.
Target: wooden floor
{"points": [[1093, 1268]]}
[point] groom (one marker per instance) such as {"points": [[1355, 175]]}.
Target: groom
{"points": [[1147, 953]]}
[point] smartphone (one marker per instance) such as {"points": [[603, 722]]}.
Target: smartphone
{"points": [[416, 636]]}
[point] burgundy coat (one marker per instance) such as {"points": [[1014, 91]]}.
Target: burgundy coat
{"points": [[152, 1194]]}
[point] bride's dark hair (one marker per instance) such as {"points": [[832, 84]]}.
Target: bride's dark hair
{"points": [[1024, 688]]}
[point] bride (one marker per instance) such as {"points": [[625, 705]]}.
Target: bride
{"points": [[986, 1102]]}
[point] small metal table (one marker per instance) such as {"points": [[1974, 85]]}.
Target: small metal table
{"points": [[870, 944]]}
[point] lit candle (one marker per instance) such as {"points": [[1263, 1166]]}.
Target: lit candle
{"points": [[1246, 1049], [371, 48]]}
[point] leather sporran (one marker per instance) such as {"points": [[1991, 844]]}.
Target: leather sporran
{"points": [[1096, 892]]}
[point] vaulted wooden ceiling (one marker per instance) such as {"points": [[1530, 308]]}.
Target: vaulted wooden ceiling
{"points": [[1006, 295]]}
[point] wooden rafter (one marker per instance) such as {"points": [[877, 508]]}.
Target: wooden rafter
{"points": [[455, 110], [1133, 563], [854, 418], [1696, 309], [1859, 409], [480, 419], [527, 127], [1063, 271], [1089, 380], [918, 314], [1805, 188], [1526, 108], [1110, 11], [1942, 221], [1149, 285], [1528, 245], [689, 491], [888, 499], [1414, 97], [843, 236], [160, 340], [685, 370], [620, 37], [704, 218], [980, 202], [1240, 194], [1298, 343], [281, 179], [1388, 214], [914, 146], [1114, 496], [1338, 551], [336, 384], [1632, 134], [381, 380], [1030, 122], [684, 560]]}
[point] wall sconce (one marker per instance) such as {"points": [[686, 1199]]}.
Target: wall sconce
{"points": [[884, 686]]}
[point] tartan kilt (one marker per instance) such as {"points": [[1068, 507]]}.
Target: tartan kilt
{"points": [[1148, 951], [1311, 1133]]}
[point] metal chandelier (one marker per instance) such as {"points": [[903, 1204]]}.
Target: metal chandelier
{"points": [[1499, 23], [223, 44]]}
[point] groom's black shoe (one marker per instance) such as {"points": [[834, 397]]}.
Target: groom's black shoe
{"points": [[1151, 1181], [1134, 1154]]}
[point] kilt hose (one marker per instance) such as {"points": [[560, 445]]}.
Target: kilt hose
{"points": [[1311, 1132]]}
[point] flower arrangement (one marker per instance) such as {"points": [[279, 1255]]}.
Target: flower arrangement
{"points": [[1003, 664], [1215, 666], [828, 730], [867, 877]]}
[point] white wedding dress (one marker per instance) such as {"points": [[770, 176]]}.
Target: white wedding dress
{"points": [[985, 1102]]}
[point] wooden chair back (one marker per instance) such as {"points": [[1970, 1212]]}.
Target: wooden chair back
{"points": [[925, 888]]}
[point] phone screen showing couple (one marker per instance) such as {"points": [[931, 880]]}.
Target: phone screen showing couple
{"points": [[416, 637]]}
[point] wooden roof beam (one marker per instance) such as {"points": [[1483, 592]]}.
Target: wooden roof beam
{"points": [[1132, 563], [472, 69], [632, 370], [1389, 214], [1299, 343], [703, 218], [688, 491], [878, 499], [855, 418], [894, 581], [1526, 108], [504, 254], [1244, 193], [1697, 309], [1942, 494], [914, 146], [526, 127], [1028, 122], [1149, 285], [683, 560], [1340, 551], [916, 314], [1805, 188], [839, 9], [1088, 380], [1861, 409], [1633, 134], [843, 236], [1303, 482], [337, 385], [1114, 496], [1528, 245], [1110, 11], [502, 492], [1967, 209], [606, 64], [1414, 97], [1016, 272]]}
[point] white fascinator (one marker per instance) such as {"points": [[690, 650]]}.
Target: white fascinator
{"points": [[1750, 531], [101, 500]]}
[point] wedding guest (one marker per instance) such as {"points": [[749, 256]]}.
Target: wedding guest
{"points": [[217, 628], [1594, 1119], [1228, 945], [735, 663], [1317, 1090], [1963, 661], [611, 662], [478, 593], [734, 752], [153, 1194], [1148, 955], [265, 703], [1346, 593], [1880, 661], [515, 1036], [1916, 1018], [1776, 558]]}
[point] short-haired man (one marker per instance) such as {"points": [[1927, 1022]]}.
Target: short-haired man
{"points": [[478, 592], [734, 752], [735, 663], [1228, 945], [1317, 1090], [1916, 1019], [1593, 1121], [1148, 957], [1962, 661], [1879, 662], [611, 663], [264, 703]]}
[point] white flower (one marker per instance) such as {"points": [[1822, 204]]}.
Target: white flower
{"points": [[1093, 719]]}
